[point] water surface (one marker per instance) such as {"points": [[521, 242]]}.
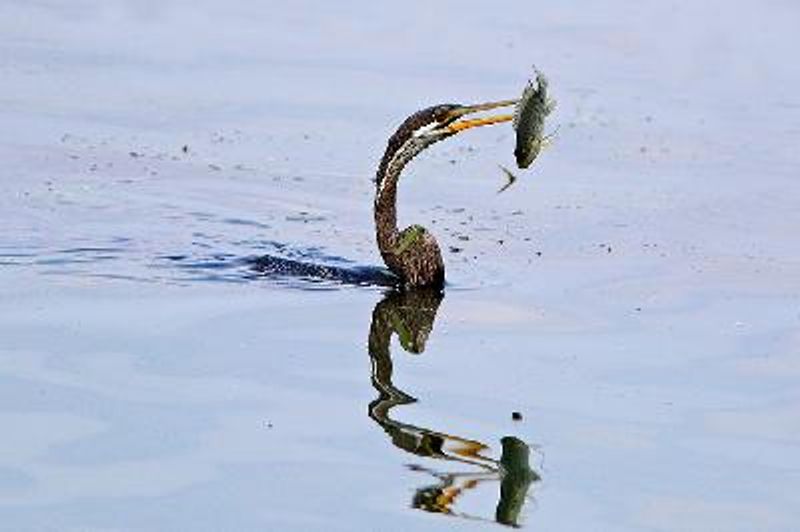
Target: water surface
{"points": [[633, 297]]}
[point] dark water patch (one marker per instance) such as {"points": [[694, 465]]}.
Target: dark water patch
{"points": [[17, 255], [80, 255], [174, 258], [305, 217], [207, 259], [89, 250], [204, 216], [313, 254], [55, 261], [73, 260], [247, 223], [316, 254], [16, 259], [111, 276], [19, 252], [217, 267]]}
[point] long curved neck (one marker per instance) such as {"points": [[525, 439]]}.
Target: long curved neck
{"points": [[403, 146], [385, 210], [401, 150]]}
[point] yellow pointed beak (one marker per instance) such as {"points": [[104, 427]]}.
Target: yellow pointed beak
{"points": [[462, 125]]}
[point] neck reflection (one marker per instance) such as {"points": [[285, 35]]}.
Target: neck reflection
{"points": [[410, 314]]}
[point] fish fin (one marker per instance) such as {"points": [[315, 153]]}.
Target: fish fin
{"points": [[511, 178], [547, 140]]}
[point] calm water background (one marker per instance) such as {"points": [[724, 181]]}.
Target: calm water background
{"points": [[636, 296]]}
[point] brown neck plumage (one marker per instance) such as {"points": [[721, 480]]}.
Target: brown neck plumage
{"points": [[401, 148]]}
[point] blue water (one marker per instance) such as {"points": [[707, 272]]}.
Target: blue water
{"points": [[634, 297]]}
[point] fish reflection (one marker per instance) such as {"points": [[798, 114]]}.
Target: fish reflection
{"points": [[411, 314]]}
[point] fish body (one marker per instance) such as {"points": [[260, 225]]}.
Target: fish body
{"points": [[532, 109]]}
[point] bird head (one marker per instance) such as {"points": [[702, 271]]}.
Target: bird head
{"points": [[444, 120], [431, 125]]}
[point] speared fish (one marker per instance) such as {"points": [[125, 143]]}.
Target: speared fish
{"points": [[533, 107]]}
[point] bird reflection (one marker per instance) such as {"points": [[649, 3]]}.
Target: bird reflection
{"points": [[410, 314]]}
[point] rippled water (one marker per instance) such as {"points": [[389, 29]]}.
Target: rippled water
{"points": [[617, 347]]}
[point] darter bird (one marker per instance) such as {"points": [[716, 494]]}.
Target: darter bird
{"points": [[413, 254]]}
